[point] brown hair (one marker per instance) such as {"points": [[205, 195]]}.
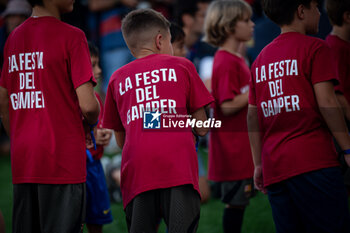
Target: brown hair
{"points": [[336, 10], [141, 26], [221, 19], [281, 12]]}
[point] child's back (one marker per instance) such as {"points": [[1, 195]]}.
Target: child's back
{"points": [[45, 68], [293, 129], [292, 102], [156, 158]]}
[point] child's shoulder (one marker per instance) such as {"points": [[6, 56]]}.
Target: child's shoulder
{"points": [[336, 42], [161, 60], [296, 42], [173, 59], [300, 40], [50, 25], [153, 62]]}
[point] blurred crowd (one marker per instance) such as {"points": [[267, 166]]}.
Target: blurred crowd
{"points": [[101, 22]]}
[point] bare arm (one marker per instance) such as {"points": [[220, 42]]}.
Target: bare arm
{"points": [[88, 102], [233, 106], [4, 109], [255, 145], [120, 138], [331, 112], [200, 114], [344, 105]]}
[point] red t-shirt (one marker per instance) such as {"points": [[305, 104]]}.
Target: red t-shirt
{"points": [[45, 61], [295, 138], [229, 150], [157, 158], [98, 153], [341, 52]]}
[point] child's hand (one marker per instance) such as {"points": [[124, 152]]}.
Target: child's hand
{"points": [[103, 136], [258, 179], [347, 159], [88, 139]]}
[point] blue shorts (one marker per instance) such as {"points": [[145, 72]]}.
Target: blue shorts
{"points": [[98, 207], [315, 201]]}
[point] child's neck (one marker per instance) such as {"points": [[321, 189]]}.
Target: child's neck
{"points": [[341, 32], [231, 45], [144, 52], [39, 11], [292, 28]]}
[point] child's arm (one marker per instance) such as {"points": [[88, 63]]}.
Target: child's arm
{"points": [[88, 102], [344, 105], [331, 112], [200, 114], [255, 145], [4, 109], [235, 105], [120, 138]]}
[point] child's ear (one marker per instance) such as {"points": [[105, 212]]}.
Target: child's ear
{"points": [[346, 17], [300, 12], [159, 41]]}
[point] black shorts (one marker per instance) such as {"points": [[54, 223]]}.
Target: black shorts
{"points": [[179, 206], [48, 208], [237, 193], [315, 201]]}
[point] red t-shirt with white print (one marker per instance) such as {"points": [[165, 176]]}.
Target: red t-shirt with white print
{"points": [[230, 157], [295, 137], [45, 61], [163, 157]]}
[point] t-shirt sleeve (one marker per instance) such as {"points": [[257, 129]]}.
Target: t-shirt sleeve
{"points": [[80, 62], [4, 70], [341, 66], [228, 87], [111, 117], [323, 66], [199, 95], [252, 97]]}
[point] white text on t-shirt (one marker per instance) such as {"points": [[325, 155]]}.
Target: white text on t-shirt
{"points": [[274, 73]]}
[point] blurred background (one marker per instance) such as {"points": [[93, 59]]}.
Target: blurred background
{"points": [[101, 22]]}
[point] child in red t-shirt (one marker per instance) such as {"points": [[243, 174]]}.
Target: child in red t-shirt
{"points": [[46, 91], [98, 209], [291, 103], [228, 26], [339, 41], [147, 104]]}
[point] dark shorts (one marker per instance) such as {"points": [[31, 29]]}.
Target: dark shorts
{"points": [[48, 208], [313, 202], [179, 206], [98, 207], [237, 193]]}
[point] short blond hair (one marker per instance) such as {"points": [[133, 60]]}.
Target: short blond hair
{"points": [[221, 19], [141, 26]]}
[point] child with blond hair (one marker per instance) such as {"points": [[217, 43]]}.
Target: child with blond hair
{"points": [[228, 26]]}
